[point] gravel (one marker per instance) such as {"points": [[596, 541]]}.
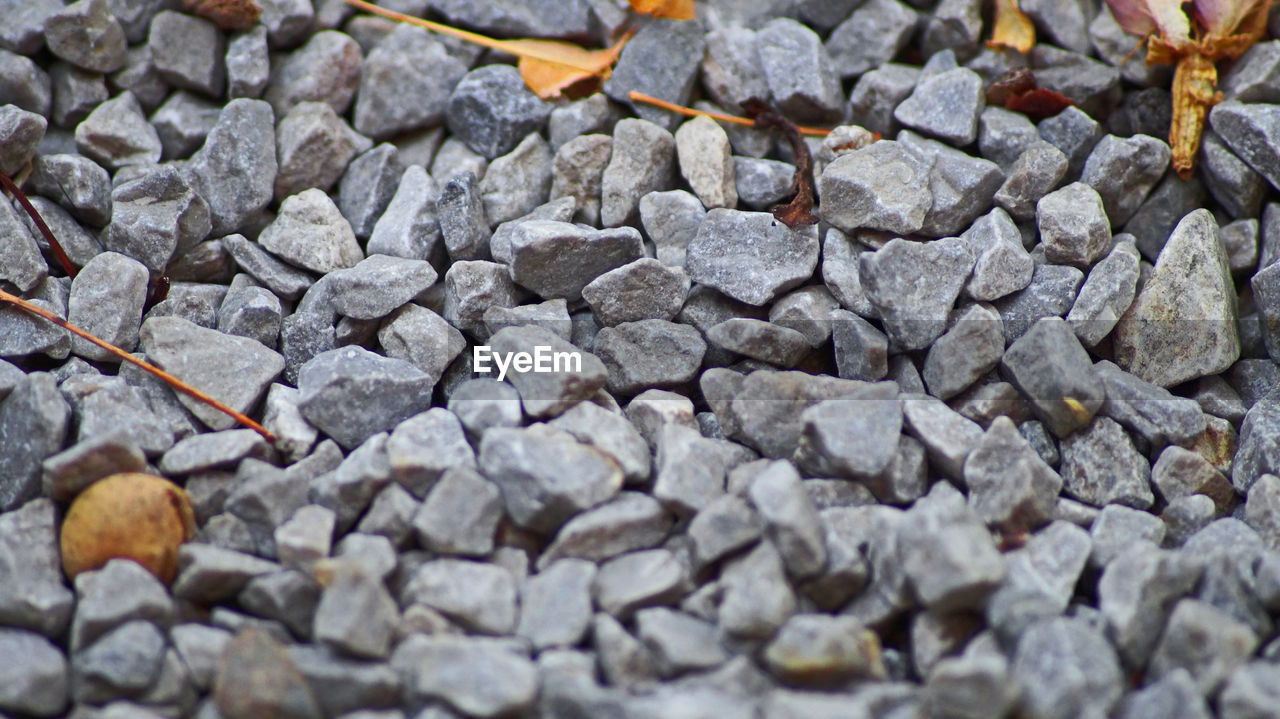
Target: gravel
{"points": [[726, 495]]}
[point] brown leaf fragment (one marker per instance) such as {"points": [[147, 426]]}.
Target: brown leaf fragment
{"points": [[577, 67], [1012, 28], [132, 515], [226, 14], [1016, 90], [800, 210], [673, 9]]}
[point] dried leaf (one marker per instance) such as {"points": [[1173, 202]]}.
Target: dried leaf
{"points": [[1012, 28], [1016, 90], [226, 14], [549, 79], [800, 210], [673, 9], [135, 516]]}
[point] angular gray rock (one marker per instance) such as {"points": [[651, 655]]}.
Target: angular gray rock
{"points": [[107, 297], [390, 100], [1053, 371], [236, 370], [883, 186], [1100, 465], [1106, 294], [946, 105], [750, 256], [912, 286], [157, 217], [33, 594], [116, 134], [661, 60], [352, 394], [642, 161], [1073, 225], [482, 677], [491, 109], [558, 259], [1252, 133], [1123, 171], [1009, 484], [235, 170], [800, 74], [1183, 323]]}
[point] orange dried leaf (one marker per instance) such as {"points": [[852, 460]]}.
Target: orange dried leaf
{"points": [[135, 516], [226, 14], [548, 79], [673, 9], [1012, 28]]}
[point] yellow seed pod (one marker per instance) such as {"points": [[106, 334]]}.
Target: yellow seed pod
{"points": [[132, 515]]}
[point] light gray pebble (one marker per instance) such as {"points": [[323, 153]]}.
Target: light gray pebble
{"points": [[107, 297], [760, 340], [248, 65], [1123, 171], [87, 35], [661, 60], [556, 259], [1073, 132], [946, 106], [241, 145], [288, 596], [1009, 484], [1004, 135], [409, 227], [649, 353], [214, 450], [1032, 175], [481, 677], [314, 146], [1204, 640], [1094, 684], [801, 75], [383, 107], [325, 69], [368, 186], [1002, 265], [189, 52], [552, 315], [679, 642], [481, 597], [638, 579], [1105, 295], [156, 217], [356, 613], [460, 214], [76, 183], [1100, 465], [914, 311], [1054, 372], [83, 463], [883, 186], [183, 122], [774, 259], [671, 219], [306, 537], [611, 432], [631, 521], [117, 134], [460, 514], [563, 377], [125, 660], [518, 181], [790, 519], [870, 37], [531, 466], [555, 604], [592, 114], [1252, 134], [642, 161], [756, 598], [39, 683]]}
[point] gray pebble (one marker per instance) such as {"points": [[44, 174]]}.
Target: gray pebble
{"points": [[156, 217], [1191, 280], [879, 91], [24, 33], [1105, 295], [1073, 132], [189, 52], [1152, 412], [481, 677], [309, 231], [463, 224], [117, 134], [77, 183], [39, 683], [854, 436], [1051, 293], [1100, 465], [531, 466], [1073, 225], [106, 299], [1004, 135], [661, 60], [649, 353], [948, 555], [1118, 530], [760, 340], [33, 594], [883, 186], [471, 288], [252, 312], [335, 383], [236, 370], [1123, 171], [76, 93], [264, 677], [821, 650], [314, 146], [592, 114], [383, 107], [671, 219], [1248, 691], [368, 186], [241, 146], [948, 437], [790, 519], [1052, 369], [125, 660], [563, 377], [460, 514], [248, 65], [750, 256], [642, 161], [968, 350], [21, 132], [706, 162], [555, 604], [325, 69], [1204, 640], [638, 579], [356, 614], [913, 286], [1257, 453], [631, 521], [1032, 175], [1094, 683], [946, 106], [481, 597], [75, 468], [213, 450], [120, 591], [24, 84], [731, 71], [1251, 131], [491, 110], [1002, 266], [962, 186], [800, 74], [870, 37], [87, 35], [611, 432], [183, 122], [760, 184]]}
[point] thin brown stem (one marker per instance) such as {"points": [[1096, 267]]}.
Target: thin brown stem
{"points": [[169, 379], [722, 117], [800, 210], [12, 188]]}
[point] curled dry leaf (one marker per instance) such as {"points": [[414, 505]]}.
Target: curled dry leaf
{"points": [[226, 14], [1012, 28], [548, 80], [673, 9], [1017, 90], [1216, 29], [135, 516]]}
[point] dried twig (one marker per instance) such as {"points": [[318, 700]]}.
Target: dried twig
{"points": [[800, 210], [12, 188], [722, 117], [169, 379]]}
